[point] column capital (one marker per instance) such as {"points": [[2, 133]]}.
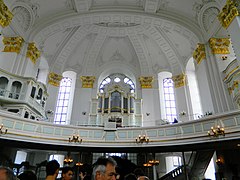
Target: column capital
{"points": [[54, 79], [5, 15], [199, 53], [228, 13], [87, 81], [13, 44], [146, 81], [179, 80], [219, 45], [32, 52]]}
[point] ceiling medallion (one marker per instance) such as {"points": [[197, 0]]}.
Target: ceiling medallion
{"points": [[116, 24]]}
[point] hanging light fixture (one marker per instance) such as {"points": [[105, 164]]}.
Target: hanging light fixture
{"points": [[68, 159], [215, 132], [142, 139], [75, 138], [3, 130]]}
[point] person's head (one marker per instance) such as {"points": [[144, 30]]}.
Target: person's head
{"points": [[130, 176], [138, 172], [52, 168], [6, 174], [142, 178], [27, 175], [104, 169], [67, 173]]}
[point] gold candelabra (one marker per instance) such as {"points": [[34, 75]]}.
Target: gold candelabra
{"points": [[3, 130], [142, 139], [75, 138], [215, 132], [68, 159]]}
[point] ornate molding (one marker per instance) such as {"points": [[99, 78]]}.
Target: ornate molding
{"points": [[87, 81], [5, 15], [13, 44], [179, 80], [54, 79], [146, 81], [32, 52], [199, 53], [219, 45], [228, 13]]}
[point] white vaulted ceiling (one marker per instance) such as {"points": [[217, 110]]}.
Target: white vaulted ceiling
{"points": [[145, 36]]}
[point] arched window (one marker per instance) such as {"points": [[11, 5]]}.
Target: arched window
{"points": [[169, 98], [65, 98], [3, 85]]}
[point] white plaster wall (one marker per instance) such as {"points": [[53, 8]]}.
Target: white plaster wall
{"points": [[81, 103], [203, 85], [30, 68], [52, 99], [7, 60]]}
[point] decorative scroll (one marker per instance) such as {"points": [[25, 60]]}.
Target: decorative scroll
{"points": [[32, 52], [54, 79], [199, 53], [179, 80], [219, 45], [228, 13], [12, 44], [146, 81], [87, 81], [5, 15]]}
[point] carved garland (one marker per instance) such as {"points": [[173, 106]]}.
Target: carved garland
{"points": [[54, 79], [199, 53], [87, 81], [146, 81], [228, 13], [12, 44], [179, 80], [5, 15], [32, 52], [219, 45]]}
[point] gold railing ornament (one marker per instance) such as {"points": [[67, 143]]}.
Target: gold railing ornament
{"points": [[215, 132], [142, 139], [13, 44], [75, 138], [199, 53], [33, 53], [3, 130], [5, 15], [228, 13]]}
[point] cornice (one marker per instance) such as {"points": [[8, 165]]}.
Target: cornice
{"points": [[72, 18]]}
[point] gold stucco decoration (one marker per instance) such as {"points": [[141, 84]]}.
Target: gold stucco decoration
{"points": [[5, 15], [199, 53], [228, 13], [12, 44], [146, 81], [32, 52], [87, 81], [179, 80], [54, 79], [219, 45]]}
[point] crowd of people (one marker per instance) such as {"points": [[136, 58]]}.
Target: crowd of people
{"points": [[103, 169]]}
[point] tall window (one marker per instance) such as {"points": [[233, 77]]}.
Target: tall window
{"points": [[169, 98], [63, 101]]}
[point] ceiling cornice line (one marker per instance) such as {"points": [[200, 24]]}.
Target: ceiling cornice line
{"points": [[73, 19]]}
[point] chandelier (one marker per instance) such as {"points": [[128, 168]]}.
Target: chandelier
{"points": [[151, 163], [68, 159], [142, 139], [3, 130], [75, 138], [215, 132]]}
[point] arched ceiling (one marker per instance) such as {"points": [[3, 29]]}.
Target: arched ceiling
{"points": [[147, 36]]}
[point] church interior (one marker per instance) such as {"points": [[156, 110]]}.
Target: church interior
{"points": [[152, 83]]}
